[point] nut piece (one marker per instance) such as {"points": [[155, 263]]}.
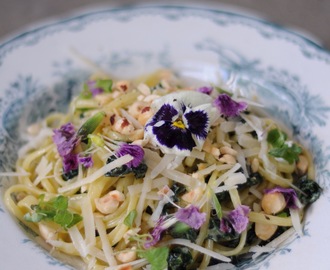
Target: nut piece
{"points": [[127, 256], [265, 231], [255, 165], [193, 195], [273, 203], [302, 164], [228, 150], [109, 202], [228, 159]]}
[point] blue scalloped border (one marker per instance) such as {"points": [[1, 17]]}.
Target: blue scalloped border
{"points": [[309, 48]]}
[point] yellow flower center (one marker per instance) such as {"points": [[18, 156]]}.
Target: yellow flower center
{"points": [[178, 124]]}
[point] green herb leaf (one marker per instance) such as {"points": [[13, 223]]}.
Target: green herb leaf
{"points": [[281, 148], [157, 257], [106, 85], [90, 125], [276, 137], [290, 154], [55, 210], [128, 221]]}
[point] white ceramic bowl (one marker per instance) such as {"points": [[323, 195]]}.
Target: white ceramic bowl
{"points": [[41, 69]]}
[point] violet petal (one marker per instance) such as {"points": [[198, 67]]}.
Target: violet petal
{"points": [[191, 216], [86, 161], [156, 233], [94, 89], [237, 218], [65, 139], [205, 90], [70, 162], [229, 107], [135, 151]]}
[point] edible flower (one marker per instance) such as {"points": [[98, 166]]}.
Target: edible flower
{"points": [[135, 166], [86, 161], [189, 215], [135, 151], [70, 162], [290, 195], [205, 90], [237, 219], [65, 139], [180, 123], [229, 107]]}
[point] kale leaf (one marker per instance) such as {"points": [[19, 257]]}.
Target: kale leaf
{"points": [[179, 258], [139, 171], [311, 190]]}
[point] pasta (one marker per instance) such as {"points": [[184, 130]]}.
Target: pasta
{"points": [[149, 173]]}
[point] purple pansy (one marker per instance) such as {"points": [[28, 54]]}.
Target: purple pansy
{"points": [[176, 129], [135, 151], [86, 161], [205, 90], [191, 216], [289, 194], [229, 107], [236, 219]]}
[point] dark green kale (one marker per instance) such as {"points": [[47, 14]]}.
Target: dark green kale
{"points": [[179, 258], [220, 237], [252, 180], [139, 171], [310, 190], [182, 230], [70, 174]]}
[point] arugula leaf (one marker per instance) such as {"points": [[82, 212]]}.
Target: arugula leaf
{"points": [[56, 210], [106, 85], [128, 221], [281, 148], [157, 257]]}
